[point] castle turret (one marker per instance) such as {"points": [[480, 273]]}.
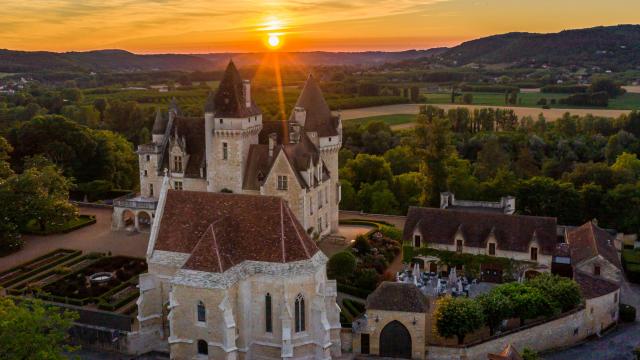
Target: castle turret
{"points": [[159, 127]]}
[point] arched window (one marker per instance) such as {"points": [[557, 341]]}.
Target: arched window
{"points": [[299, 308], [202, 312], [267, 313], [203, 347]]}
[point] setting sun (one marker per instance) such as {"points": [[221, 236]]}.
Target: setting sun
{"points": [[274, 40]]}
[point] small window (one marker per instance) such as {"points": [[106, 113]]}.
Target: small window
{"points": [[148, 158], [615, 298], [299, 313], [146, 173], [225, 151], [534, 254], [203, 347], [459, 246], [150, 189], [221, 121], [596, 270], [177, 164], [326, 196], [492, 248], [202, 312], [177, 185], [283, 182], [320, 199], [310, 205], [417, 240], [267, 313]]}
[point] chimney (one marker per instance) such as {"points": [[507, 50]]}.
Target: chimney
{"points": [[294, 133], [246, 89], [273, 138]]}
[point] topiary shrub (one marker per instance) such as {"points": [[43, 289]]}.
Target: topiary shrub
{"points": [[341, 266], [362, 244], [627, 313]]}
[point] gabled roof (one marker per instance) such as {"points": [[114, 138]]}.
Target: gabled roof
{"points": [[395, 296], [588, 241], [593, 287], [512, 232], [222, 230], [319, 117], [229, 99], [508, 353], [192, 129]]}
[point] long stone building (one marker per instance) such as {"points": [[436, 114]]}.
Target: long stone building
{"points": [[233, 150]]}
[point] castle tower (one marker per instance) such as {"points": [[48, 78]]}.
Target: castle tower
{"points": [[312, 113], [232, 124]]}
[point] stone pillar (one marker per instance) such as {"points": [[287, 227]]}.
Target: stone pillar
{"points": [[136, 221]]}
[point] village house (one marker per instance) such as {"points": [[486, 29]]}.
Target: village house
{"points": [[233, 150]]}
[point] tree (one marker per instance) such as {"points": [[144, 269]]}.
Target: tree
{"points": [[467, 98], [341, 265], [457, 317], [460, 178], [496, 308], [628, 164], [407, 189], [528, 302], [5, 150], [491, 158], [543, 196], [349, 200], [563, 293], [402, 159], [526, 166], [344, 155], [606, 85], [432, 137], [101, 105], [377, 198], [32, 330], [127, 118], [365, 168]]}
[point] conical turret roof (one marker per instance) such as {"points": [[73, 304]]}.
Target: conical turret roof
{"points": [[318, 114], [229, 98]]}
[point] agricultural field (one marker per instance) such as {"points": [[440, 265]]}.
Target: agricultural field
{"points": [[628, 101], [391, 120]]}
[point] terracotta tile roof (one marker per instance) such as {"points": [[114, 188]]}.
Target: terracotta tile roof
{"points": [[222, 230], [508, 353], [229, 98], [192, 128], [588, 241], [512, 232], [593, 287], [395, 296], [319, 117]]}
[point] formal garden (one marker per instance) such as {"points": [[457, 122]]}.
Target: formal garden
{"points": [[631, 263], [95, 280]]}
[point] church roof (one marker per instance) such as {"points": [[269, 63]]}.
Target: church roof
{"points": [[395, 296], [222, 230], [318, 117], [192, 129], [588, 241], [512, 232], [229, 99]]}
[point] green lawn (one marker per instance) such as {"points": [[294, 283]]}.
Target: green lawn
{"points": [[629, 101], [79, 222], [396, 119]]}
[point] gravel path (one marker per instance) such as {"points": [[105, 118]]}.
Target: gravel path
{"points": [[96, 237]]}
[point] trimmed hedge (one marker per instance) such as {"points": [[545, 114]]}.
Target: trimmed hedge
{"points": [[627, 313], [631, 264], [355, 291], [564, 89], [355, 307], [82, 221], [489, 88], [35, 271]]}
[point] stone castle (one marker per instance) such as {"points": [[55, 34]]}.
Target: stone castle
{"points": [[233, 150]]}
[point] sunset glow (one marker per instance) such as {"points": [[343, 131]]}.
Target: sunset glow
{"points": [[180, 26], [274, 41]]}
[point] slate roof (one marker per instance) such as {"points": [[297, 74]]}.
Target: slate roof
{"points": [[319, 117], [159, 124], [588, 241], [229, 99], [192, 128], [395, 296], [221, 230], [512, 232], [593, 287]]}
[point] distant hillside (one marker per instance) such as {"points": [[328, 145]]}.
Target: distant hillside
{"points": [[617, 47], [120, 60]]}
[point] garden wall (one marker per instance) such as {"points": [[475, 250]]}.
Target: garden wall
{"points": [[560, 332]]}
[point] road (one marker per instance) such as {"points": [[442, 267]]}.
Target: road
{"points": [[550, 114], [616, 345]]}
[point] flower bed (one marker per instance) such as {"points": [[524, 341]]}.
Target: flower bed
{"points": [[47, 261]]}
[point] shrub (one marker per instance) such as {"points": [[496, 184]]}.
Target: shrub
{"points": [[362, 244], [341, 265], [562, 293], [354, 291], [391, 232], [627, 313], [458, 317], [529, 354], [366, 279]]}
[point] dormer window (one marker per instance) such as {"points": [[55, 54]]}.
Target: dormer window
{"points": [[283, 182], [177, 164], [534, 253], [417, 240], [260, 176], [492, 248], [596, 270], [459, 246]]}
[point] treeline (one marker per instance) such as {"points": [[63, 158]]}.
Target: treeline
{"points": [[576, 168]]}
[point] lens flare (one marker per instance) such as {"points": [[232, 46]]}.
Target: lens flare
{"points": [[274, 40]]}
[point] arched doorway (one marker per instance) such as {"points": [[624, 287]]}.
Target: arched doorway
{"points": [[144, 221], [395, 341], [128, 219]]}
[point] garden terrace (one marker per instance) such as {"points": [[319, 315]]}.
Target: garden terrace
{"points": [[36, 266]]}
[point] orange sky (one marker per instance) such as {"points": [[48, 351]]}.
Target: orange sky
{"points": [[157, 26]]}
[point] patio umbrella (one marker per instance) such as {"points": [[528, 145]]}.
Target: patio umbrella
{"points": [[453, 278]]}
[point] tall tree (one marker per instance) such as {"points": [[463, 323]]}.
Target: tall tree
{"points": [[433, 144], [457, 317], [491, 158]]}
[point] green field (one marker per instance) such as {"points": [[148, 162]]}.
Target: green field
{"points": [[396, 119], [629, 101], [3, 75]]}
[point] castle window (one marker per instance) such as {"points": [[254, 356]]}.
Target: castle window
{"points": [[225, 151], [177, 185], [492, 248], [417, 239], [148, 158], [267, 313], [177, 164], [596, 270], [320, 199], [534, 253], [201, 312], [299, 316], [310, 204], [203, 347], [145, 173], [221, 121], [459, 245], [150, 189], [283, 182], [326, 196]]}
